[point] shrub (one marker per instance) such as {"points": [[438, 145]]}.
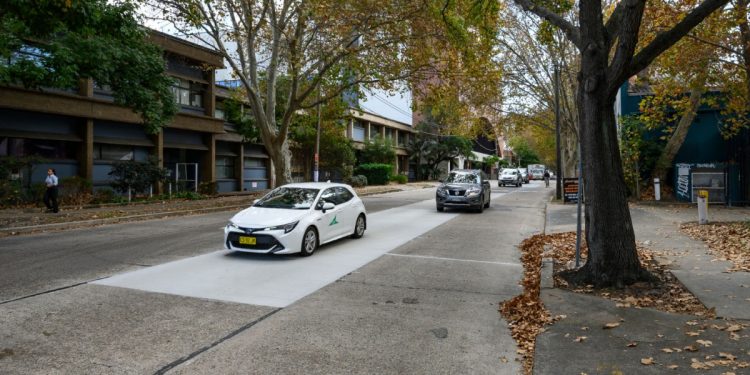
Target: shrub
{"points": [[11, 193], [189, 195], [103, 196], [356, 181], [136, 176], [75, 190], [208, 188], [377, 174], [400, 178]]}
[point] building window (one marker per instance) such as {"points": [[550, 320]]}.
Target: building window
{"points": [[44, 148], [358, 132], [389, 134], [107, 152], [188, 93], [374, 131], [403, 139], [224, 167]]}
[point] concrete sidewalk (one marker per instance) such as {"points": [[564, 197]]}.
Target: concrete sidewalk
{"points": [[709, 346]]}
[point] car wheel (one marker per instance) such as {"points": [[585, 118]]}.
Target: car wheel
{"points": [[487, 205], [440, 208], [359, 227], [480, 208], [309, 242]]}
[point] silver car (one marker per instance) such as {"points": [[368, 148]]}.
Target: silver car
{"points": [[510, 176], [464, 188]]}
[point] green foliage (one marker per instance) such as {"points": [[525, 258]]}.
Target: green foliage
{"points": [[208, 188], [429, 150], [491, 160], [336, 150], [376, 174], [239, 115], [378, 150], [400, 178], [105, 195], [524, 154], [188, 194], [55, 43], [638, 152], [74, 190], [356, 181], [137, 176]]}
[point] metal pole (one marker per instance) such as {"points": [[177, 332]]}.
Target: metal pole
{"points": [[578, 224], [558, 180], [316, 161]]}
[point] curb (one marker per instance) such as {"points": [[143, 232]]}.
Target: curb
{"points": [[13, 231]]}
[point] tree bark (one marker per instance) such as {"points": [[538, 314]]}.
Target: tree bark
{"points": [[678, 136], [745, 39], [612, 257], [281, 157]]}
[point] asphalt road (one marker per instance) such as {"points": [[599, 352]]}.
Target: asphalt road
{"points": [[455, 266]]}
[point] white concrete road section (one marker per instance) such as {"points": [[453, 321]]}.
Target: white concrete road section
{"points": [[278, 281]]}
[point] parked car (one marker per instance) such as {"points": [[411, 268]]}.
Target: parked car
{"points": [[297, 218], [464, 188], [524, 175], [510, 176]]}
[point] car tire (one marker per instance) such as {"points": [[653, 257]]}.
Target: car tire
{"points": [[309, 242], [480, 208], [440, 208], [359, 226], [487, 205]]}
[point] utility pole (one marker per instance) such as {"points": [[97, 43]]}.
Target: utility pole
{"points": [[316, 161], [558, 180]]}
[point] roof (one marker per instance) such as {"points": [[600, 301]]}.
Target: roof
{"points": [[315, 185]]}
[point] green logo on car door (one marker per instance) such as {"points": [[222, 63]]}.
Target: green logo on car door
{"points": [[333, 222]]}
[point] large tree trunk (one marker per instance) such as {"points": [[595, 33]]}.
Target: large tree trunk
{"points": [[612, 257], [664, 164], [745, 134], [281, 157]]}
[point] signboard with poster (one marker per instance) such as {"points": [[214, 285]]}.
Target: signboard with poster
{"points": [[570, 190]]}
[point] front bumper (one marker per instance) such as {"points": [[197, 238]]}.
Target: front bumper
{"points": [[267, 242], [451, 201], [509, 181]]}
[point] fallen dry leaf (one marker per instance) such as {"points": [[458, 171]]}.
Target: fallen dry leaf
{"points": [[580, 338], [667, 350], [647, 361], [692, 333], [727, 356], [705, 343], [611, 325], [632, 344], [734, 328], [673, 367], [690, 348]]}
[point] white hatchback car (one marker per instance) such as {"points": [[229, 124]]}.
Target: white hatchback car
{"points": [[297, 218]]}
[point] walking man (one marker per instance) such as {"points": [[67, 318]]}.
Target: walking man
{"points": [[50, 195], [546, 178]]}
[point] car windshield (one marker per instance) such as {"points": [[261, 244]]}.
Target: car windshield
{"points": [[462, 178], [289, 197], [509, 172]]}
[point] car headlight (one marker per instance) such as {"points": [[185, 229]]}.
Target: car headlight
{"points": [[441, 191], [232, 226], [286, 227], [471, 192]]}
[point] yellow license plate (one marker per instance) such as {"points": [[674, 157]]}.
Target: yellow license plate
{"points": [[247, 240]]}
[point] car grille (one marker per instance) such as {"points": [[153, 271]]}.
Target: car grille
{"points": [[456, 193], [262, 241]]}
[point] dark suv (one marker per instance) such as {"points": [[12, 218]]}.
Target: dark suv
{"points": [[464, 188]]}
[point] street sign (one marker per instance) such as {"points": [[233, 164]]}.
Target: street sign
{"points": [[570, 190]]}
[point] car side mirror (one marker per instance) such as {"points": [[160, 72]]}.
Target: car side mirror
{"points": [[327, 206]]}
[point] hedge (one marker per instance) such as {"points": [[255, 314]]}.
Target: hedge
{"points": [[377, 174]]}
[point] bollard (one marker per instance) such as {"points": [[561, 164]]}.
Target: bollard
{"points": [[657, 189], [702, 206]]}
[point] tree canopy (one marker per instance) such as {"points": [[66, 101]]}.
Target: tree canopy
{"points": [[53, 43]]}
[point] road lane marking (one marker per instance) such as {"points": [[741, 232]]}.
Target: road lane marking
{"points": [[454, 259], [279, 281]]}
